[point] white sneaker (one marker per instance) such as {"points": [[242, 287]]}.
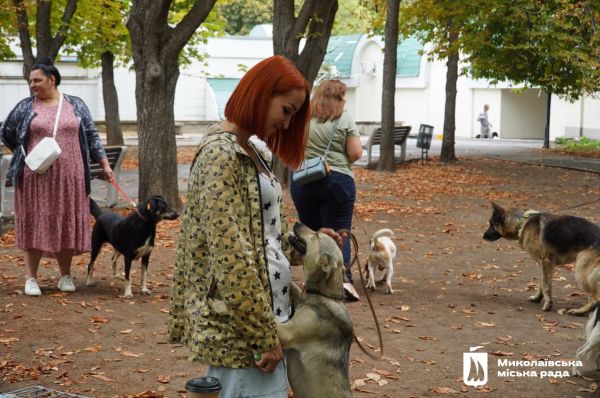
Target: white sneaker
{"points": [[32, 288], [65, 284]]}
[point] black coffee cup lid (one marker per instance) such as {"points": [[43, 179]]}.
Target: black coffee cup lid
{"points": [[203, 384]]}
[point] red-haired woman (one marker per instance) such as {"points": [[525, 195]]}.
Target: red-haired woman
{"points": [[230, 284], [330, 202]]}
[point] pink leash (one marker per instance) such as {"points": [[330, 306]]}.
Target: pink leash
{"points": [[122, 193]]}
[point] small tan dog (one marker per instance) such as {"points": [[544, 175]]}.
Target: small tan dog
{"points": [[318, 337], [382, 254]]}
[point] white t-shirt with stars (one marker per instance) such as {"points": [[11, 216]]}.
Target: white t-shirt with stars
{"points": [[280, 270]]}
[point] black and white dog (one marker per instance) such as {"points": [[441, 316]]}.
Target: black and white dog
{"points": [[132, 236]]}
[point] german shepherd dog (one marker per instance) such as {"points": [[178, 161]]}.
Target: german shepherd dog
{"points": [[553, 240], [317, 338], [132, 236]]}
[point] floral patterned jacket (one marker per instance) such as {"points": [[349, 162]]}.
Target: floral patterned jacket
{"points": [[221, 300], [15, 131]]}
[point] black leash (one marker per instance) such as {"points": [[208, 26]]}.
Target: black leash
{"points": [[352, 238], [576, 206]]}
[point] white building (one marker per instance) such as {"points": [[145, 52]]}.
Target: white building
{"points": [[357, 60]]}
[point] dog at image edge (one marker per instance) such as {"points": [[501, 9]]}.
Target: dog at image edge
{"points": [[131, 236], [318, 337], [553, 240], [382, 253], [590, 350]]}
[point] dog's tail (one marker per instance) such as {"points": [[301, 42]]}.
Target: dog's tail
{"points": [[95, 209], [383, 232]]}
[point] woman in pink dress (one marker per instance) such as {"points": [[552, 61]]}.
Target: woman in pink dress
{"points": [[52, 209]]}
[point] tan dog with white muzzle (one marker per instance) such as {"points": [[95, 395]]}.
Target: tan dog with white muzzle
{"points": [[317, 338]]}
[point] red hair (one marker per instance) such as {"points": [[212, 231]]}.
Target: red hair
{"points": [[328, 100], [248, 107]]}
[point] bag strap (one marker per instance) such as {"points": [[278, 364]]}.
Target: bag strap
{"points": [[60, 101], [331, 134]]}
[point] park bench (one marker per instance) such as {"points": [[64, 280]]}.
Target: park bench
{"points": [[424, 140], [400, 135], [115, 155]]}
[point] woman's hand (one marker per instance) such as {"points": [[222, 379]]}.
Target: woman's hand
{"points": [[107, 172], [337, 237], [269, 360]]}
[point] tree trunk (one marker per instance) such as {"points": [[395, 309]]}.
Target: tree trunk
{"points": [[317, 17], [156, 46], [547, 129], [448, 154], [114, 135], [386, 152], [157, 154]]}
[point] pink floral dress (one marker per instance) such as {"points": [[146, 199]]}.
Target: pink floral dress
{"points": [[52, 209]]}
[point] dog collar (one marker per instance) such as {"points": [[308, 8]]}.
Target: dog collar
{"points": [[523, 220], [140, 215], [315, 291]]}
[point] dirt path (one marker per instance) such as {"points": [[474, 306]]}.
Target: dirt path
{"points": [[453, 291]]}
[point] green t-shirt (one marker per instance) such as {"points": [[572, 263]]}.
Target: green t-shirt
{"points": [[319, 137]]}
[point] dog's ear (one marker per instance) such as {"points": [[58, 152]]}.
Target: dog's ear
{"points": [[497, 209], [327, 262]]}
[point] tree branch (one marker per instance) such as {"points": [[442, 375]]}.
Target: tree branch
{"points": [[61, 35], [23, 27], [306, 12], [42, 27], [283, 22], [181, 34]]}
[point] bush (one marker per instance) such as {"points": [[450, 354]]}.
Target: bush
{"points": [[578, 144]]}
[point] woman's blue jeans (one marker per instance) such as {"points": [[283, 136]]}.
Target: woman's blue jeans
{"points": [[327, 203]]}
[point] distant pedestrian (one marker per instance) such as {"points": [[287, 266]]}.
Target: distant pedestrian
{"points": [[486, 131]]}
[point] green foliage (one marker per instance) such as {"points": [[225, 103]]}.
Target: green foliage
{"points": [[7, 30], [439, 22], [582, 144], [240, 16], [353, 16], [551, 44], [98, 26]]}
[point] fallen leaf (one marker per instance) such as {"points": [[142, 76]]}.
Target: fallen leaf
{"points": [[444, 390], [94, 348], [164, 379], [130, 354], [501, 353], [102, 377]]}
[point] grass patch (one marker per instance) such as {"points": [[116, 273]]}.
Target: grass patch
{"points": [[583, 146]]}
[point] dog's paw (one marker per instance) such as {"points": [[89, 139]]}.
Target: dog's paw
{"points": [[147, 292], [390, 290], [547, 305], [536, 298], [90, 284], [577, 312]]}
